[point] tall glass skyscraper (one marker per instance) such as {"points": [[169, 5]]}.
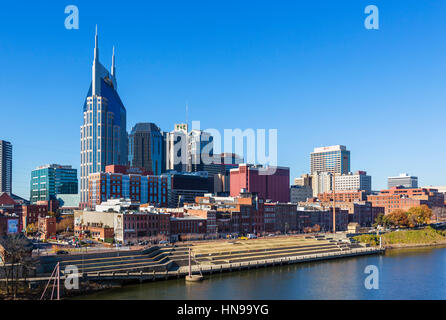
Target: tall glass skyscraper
{"points": [[146, 147], [5, 167], [104, 139]]}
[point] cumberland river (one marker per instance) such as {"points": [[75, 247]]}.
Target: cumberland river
{"points": [[403, 274]]}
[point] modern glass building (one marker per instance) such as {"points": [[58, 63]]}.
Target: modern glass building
{"points": [[104, 139], [5, 167], [48, 181], [146, 148], [333, 159]]}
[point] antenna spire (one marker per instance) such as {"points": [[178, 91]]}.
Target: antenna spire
{"points": [[113, 71], [96, 48]]}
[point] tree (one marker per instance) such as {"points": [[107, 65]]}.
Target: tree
{"points": [[382, 220], [31, 228], [419, 215], [17, 261], [399, 218]]}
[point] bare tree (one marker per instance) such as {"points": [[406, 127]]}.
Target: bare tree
{"points": [[15, 252]]}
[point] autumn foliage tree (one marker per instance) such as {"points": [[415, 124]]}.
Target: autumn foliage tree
{"points": [[415, 216], [419, 215], [399, 218]]}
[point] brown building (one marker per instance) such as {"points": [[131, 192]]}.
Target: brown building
{"points": [[47, 227], [343, 196], [400, 198], [32, 212], [361, 212], [280, 217]]}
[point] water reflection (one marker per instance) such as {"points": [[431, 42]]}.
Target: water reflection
{"points": [[404, 274]]}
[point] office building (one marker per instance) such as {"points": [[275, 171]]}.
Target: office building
{"points": [[354, 181], [5, 167], [321, 182], [333, 159], [272, 183], [403, 180], [104, 139], [175, 143], [146, 148], [50, 180]]}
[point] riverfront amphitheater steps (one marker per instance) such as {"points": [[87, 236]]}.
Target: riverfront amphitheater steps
{"points": [[208, 253]]}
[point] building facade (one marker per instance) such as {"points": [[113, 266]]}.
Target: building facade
{"points": [[354, 181], [272, 183], [5, 167], [146, 148], [48, 181], [333, 159], [403, 180], [104, 139], [405, 198]]}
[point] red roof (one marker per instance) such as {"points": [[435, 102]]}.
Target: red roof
{"points": [[5, 199]]}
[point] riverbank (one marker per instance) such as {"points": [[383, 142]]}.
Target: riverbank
{"points": [[426, 237], [335, 279]]}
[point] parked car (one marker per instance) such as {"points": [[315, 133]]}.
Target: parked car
{"points": [[163, 242], [62, 252]]}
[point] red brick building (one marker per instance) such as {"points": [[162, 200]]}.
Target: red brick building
{"points": [[32, 212], [47, 227], [269, 183], [400, 198], [140, 189], [343, 196]]}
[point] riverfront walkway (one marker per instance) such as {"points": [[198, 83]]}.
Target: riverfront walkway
{"points": [[209, 257]]}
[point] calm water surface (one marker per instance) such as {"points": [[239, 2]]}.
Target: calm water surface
{"points": [[403, 274]]}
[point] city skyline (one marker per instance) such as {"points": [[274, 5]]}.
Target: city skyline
{"points": [[365, 135]]}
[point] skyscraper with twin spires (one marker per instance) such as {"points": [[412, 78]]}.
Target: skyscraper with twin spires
{"points": [[104, 139]]}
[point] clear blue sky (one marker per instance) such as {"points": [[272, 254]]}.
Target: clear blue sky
{"points": [[308, 68]]}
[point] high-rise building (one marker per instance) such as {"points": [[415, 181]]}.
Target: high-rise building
{"points": [[403, 180], [199, 146], [321, 182], [104, 139], [5, 167], [146, 148], [50, 180], [354, 181], [333, 159], [175, 143]]}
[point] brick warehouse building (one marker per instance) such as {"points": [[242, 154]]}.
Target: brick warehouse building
{"points": [[273, 184], [401, 198], [139, 188], [344, 196]]}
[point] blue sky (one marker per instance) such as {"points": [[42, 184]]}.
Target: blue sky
{"points": [[308, 68]]}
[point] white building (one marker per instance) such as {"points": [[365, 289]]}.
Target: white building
{"points": [[402, 180], [354, 181], [321, 182]]}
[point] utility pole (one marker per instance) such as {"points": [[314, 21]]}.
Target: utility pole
{"points": [[334, 202], [190, 264]]}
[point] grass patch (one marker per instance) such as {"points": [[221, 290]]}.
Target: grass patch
{"points": [[427, 235]]}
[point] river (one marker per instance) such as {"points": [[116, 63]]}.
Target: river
{"points": [[403, 274]]}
